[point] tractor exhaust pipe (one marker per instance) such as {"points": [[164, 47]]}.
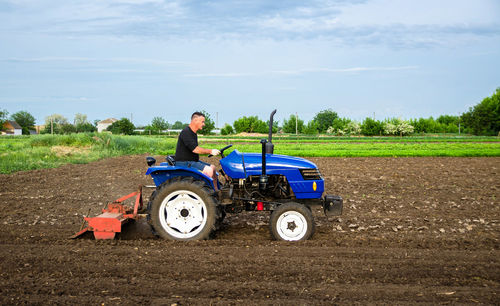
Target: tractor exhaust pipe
{"points": [[267, 148], [269, 145]]}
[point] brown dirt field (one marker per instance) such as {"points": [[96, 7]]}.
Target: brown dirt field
{"points": [[414, 230]]}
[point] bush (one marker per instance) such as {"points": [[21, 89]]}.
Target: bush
{"points": [[76, 140], [371, 127], [86, 127], [47, 129], [389, 128], [340, 124], [312, 128], [353, 128], [452, 128], [67, 128], [227, 130], [340, 132], [422, 125], [448, 120], [324, 119], [122, 126], [484, 118], [291, 125], [178, 125], [397, 127], [158, 124], [404, 128], [250, 124], [209, 124]]}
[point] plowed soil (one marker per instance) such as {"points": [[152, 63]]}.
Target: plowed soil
{"points": [[414, 230]]}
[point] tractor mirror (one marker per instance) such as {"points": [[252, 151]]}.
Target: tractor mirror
{"points": [[150, 160]]}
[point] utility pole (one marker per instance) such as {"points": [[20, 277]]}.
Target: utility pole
{"points": [[51, 125], [459, 123], [216, 120], [296, 124]]}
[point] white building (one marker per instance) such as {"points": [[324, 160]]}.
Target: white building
{"points": [[11, 128], [103, 124]]}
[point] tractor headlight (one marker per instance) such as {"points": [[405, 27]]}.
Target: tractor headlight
{"points": [[311, 174]]}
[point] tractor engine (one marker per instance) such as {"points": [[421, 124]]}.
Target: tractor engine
{"points": [[277, 188], [247, 194]]}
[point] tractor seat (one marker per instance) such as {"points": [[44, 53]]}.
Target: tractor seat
{"points": [[170, 160]]}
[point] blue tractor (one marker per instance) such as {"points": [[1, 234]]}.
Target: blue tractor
{"points": [[185, 206]]}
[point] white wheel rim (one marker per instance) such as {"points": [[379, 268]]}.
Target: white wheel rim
{"points": [[291, 226], [183, 214]]}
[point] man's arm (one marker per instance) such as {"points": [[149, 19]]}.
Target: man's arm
{"points": [[200, 150]]}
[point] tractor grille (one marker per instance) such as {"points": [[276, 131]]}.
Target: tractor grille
{"points": [[311, 174]]}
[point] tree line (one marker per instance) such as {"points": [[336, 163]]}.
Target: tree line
{"points": [[482, 119], [58, 124]]}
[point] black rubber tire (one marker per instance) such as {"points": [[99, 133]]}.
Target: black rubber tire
{"points": [[201, 189], [301, 209]]}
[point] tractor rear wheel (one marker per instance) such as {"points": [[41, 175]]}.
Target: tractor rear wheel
{"points": [[184, 208], [292, 222]]}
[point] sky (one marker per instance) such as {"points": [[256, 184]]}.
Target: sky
{"points": [[145, 58]]}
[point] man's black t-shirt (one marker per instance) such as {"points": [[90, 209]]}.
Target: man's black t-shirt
{"points": [[187, 142]]}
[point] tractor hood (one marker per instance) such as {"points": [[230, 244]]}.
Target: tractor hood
{"points": [[242, 165]]}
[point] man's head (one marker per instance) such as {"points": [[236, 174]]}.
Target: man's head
{"points": [[197, 121]]}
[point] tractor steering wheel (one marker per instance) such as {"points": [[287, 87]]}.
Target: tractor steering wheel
{"points": [[222, 150]]}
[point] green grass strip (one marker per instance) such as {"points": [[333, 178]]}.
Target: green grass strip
{"points": [[382, 149], [48, 151], [353, 139]]}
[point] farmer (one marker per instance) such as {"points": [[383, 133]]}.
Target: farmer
{"points": [[187, 151]]}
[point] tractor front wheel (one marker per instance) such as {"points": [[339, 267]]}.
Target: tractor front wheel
{"points": [[184, 209], [292, 222]]}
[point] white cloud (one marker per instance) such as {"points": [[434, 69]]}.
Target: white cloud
{"points": [[46, 99], [87, 17], [422, 12], [298, 72], [384, 22], [46, 59], [299, 25], [88, 59]]}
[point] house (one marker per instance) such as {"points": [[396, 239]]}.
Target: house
{"points": [[11, 128], [103, 124]]}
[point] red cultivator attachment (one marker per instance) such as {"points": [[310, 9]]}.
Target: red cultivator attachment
{"points": [[110, 222]]}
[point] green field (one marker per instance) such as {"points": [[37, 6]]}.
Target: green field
{"points": [[361, 139], [47, 151]]}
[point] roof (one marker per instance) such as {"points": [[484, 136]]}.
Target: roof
{"points": [[109, 120], [15, 125]]}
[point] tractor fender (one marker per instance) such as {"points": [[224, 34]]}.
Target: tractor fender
{"points": [[160, 174]]}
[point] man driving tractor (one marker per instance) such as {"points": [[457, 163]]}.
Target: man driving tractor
{"points": [[187, 150]]}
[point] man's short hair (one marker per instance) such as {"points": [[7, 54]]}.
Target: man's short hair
{"points": [[197, 114]]}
